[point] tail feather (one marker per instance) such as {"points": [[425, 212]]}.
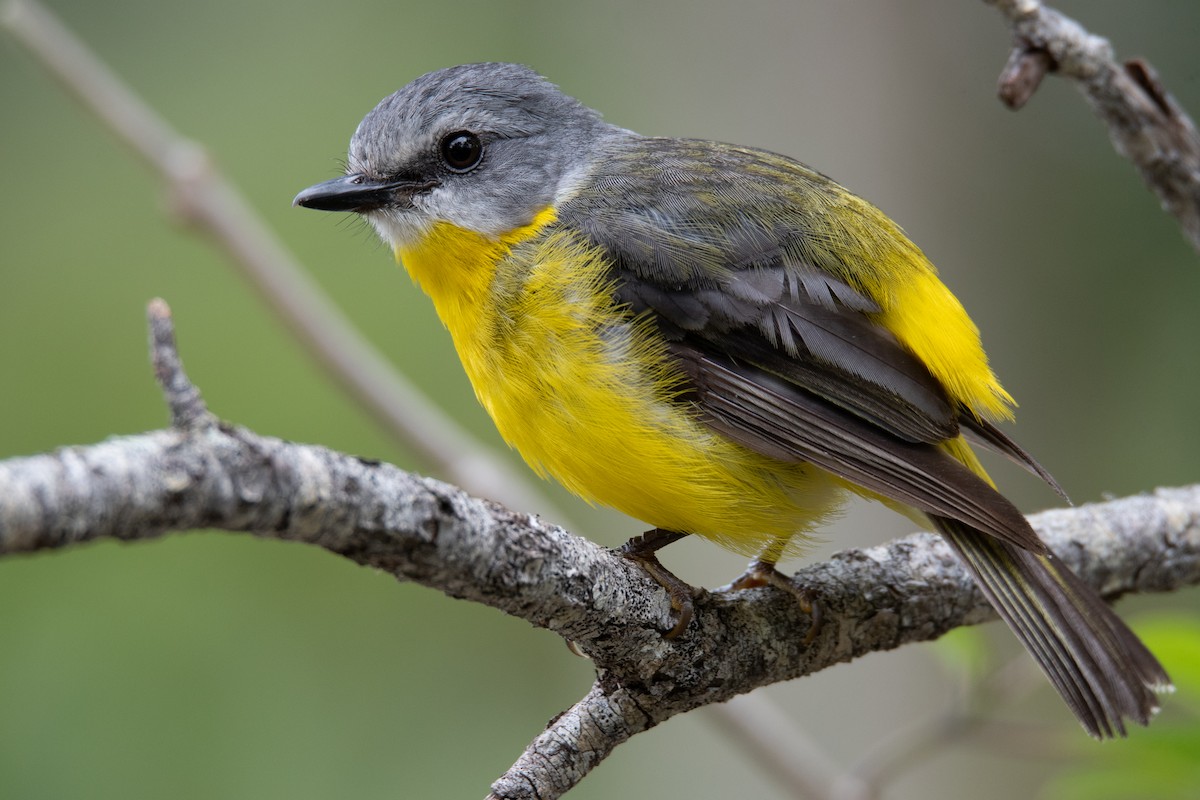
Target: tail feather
{"points": [[1101, 669], [1025, 621]]}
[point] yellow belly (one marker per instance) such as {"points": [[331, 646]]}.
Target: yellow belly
{"points": [[586, 395]]}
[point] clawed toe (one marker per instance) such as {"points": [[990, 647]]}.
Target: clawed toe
{"points": [[641, 549]]}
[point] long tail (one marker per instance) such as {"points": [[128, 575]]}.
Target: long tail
{"points": [[1101, 669]]}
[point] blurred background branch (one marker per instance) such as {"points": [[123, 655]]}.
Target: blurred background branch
{"points": [[1144, 121]]}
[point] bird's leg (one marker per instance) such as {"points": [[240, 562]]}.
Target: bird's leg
{"points": [[763, 573], [642, 549]]}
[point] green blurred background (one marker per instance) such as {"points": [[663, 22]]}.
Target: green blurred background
{"points": [[213, 665]]}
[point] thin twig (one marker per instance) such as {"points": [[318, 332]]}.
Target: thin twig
{"points": [[1022, 76], [188, 410], [777, 744], [1145, 123]]}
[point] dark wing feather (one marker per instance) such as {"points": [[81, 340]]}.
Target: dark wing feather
{"points": [[742, 266], [779, 419], [980, 431], [910, 407]]}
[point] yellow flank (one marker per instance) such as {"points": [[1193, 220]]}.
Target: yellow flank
{"points": [[916, 306], [931, 322], [583, 392]]}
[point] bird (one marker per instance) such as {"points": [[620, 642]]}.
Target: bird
{"points": [[718, 341]]}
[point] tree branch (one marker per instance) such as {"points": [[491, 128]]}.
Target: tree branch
{"points": [[1145, 123], [205, 474]]}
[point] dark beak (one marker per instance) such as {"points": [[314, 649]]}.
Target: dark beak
{"points": [[360, 193]]}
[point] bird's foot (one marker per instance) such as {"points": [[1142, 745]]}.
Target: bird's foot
{"points": [[642, 549]]}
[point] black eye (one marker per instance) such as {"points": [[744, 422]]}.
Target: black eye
{"points": [[461, 150]]}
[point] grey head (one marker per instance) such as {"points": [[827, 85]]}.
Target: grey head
{"points": [[482, 146]]}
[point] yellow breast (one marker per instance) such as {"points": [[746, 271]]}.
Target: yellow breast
{"points": [[586, 394]]}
